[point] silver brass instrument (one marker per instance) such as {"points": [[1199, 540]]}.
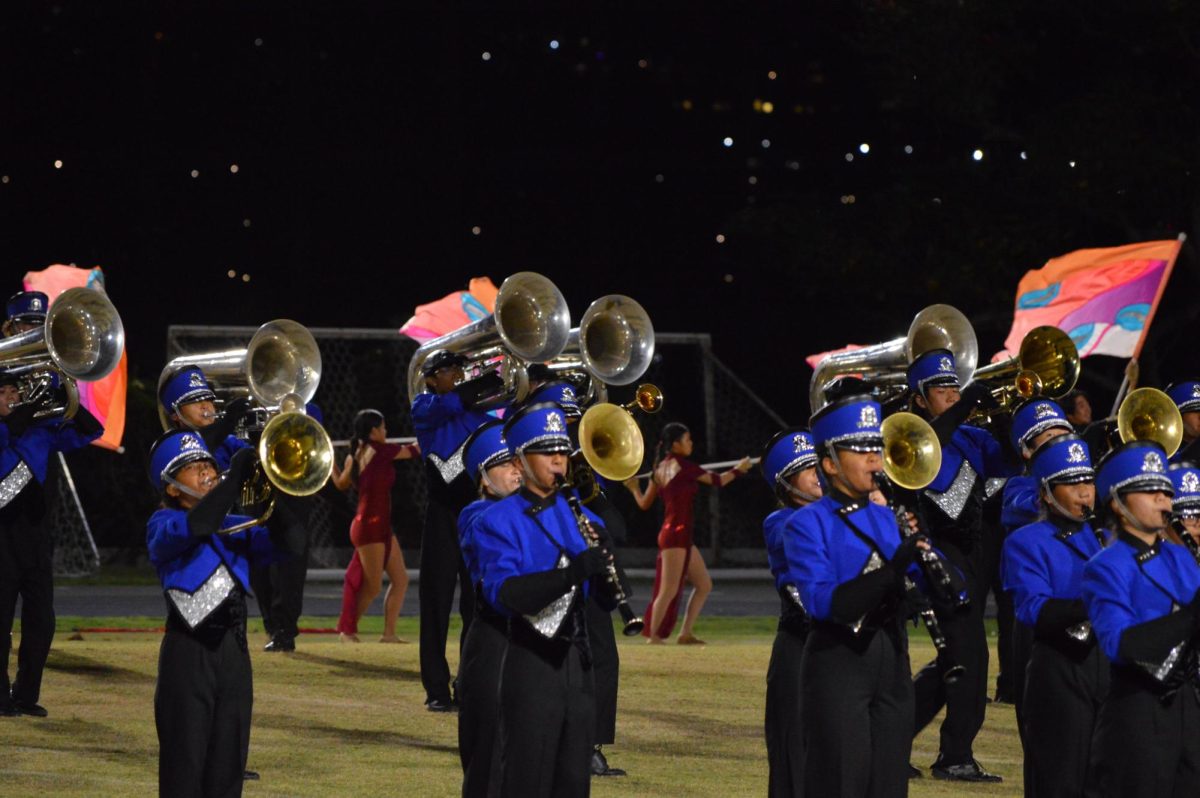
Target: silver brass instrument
{"points": [[530, 324], [82, 339], [613, 344], [883, 365], [281, 360]]}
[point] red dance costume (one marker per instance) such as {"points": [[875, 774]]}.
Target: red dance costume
{"points": [[372, 524], [677, 484]]}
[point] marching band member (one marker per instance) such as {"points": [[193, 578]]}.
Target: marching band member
{"points": [[1185, 506], [1187, 398], [536, 568], [789, 464], [26, 544], [1143, 599], [1067, 673], [847, 559], [190, 403], [442, 419], [951, 508], [203, 698], [491, 464]]}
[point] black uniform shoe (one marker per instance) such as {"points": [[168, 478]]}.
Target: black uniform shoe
{"points": [[33, 710], [600, 765], [914, 772], [250, 775], [7, 709], [1003, 697], [438, 705], [281, 642], [967, 771]]}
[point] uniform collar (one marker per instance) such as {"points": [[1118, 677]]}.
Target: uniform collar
{"points": [[844, 500], [1138, 545], [538, 503], [1063, 524]]}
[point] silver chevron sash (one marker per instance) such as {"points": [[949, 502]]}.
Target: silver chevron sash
{"points": [[14, 483], [874, 563], [993, 485], [1080, 632], [196, 606], [793, 593], [451, 467], [954, 498], [550, 619]]}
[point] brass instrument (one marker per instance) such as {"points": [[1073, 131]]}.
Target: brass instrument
{"points": [[613, 344], [530, 324], [610, 442], [911, 459], [1047, 365], [281, 360], [883, 365], [82, 339], [1148, 414]]}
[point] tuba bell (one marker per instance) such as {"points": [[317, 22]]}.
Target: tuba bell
{"points": [[1148, 414], [82, 339], [912, 456], [530, 324], [282, 359], [883, 365], [613, 344], [1047, 365]]}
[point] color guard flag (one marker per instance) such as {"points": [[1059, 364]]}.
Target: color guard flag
{"points": [[104, 399], [1104, 299], [452, 311]]}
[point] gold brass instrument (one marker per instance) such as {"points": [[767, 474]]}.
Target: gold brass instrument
{"points": [[530, 324], [282, 359], [1047, 365], [613, 344], [1148, 414], [610, 442], [82, 339], [295, 456], [883, 365], [912, 458]]}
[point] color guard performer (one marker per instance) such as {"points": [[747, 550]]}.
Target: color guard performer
{"points": [[789, 464], [491, 464], [1143, 599], [951, 510], [203, 698], [536, 568], [26, 544], [1067, 677], [846, 557], [1187, 398]]}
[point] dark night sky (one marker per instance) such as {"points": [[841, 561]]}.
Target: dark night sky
{"points": [[370, 138]]}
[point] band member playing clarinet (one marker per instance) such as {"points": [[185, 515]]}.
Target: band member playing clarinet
{"points": [[1143, 599], [1187, 399], [1185, 506], [1067, 677], [789, 464], [203, 698], [848, 561], [489, 462], [537, 570]]}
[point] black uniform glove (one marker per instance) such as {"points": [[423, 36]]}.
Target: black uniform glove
{"points": [[206, 517], [472, 391], [854, 599], [224, 426], [905, 553], [974, 395], [1058, 615], [589, 563], [1153, 640], [86, 423], [529, 594], [19, 420]]}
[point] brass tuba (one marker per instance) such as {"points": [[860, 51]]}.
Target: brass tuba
{"points": [[613, 344], [883, 365], [1047, 365], [82, 339], [912, 456], [281, 360], [530, 324], [1148, 414]]}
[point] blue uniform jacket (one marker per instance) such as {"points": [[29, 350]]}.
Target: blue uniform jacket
{"points": [[1042, 561], [466, 535], [442, 423], [227, 449], [773, 532], [185, 562], [1120, 593], [978, 448], [1021, 503], [822, 552], [34, 446], [510, 543]]}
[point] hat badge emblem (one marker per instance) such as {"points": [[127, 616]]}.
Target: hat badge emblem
{"points": [[1196, 390], [1152, 464], [867, 417], [567, 394], [553, 423], [1190, 483], [35, 304], [801, 444], [1075, 453], [944, 364], [188, 443], [1044, 410], [196, 381]]}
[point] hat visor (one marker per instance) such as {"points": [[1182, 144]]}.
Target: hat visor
{"points": [[187, 458], [861, 445], [1148, 485], [561, 446], [1073, 479]]}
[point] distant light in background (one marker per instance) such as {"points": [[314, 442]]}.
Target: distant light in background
{"points": [[659, 178], [1024, 155], [4, 180], [794, 166], [687, 105], [729, 278], [766, 143], [772, 75], [554, 44], [849, 157], [58, 164], [753, 180], [977, 155], [258, 42], [486, 56], [245, 278], [643, 63], [233, 168], [245, 222], [195, 173], [476, 230], [231, 274], [1072, 164], [864, 148], [720, 238], [728, 141], [908, 149], [768, 107]]}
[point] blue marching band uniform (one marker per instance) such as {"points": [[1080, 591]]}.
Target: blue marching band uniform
{"points": [[1187, 398]]}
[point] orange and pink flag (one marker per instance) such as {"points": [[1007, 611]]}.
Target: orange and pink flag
{"points": [[452, 311]]}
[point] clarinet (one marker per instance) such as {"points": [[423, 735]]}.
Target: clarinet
{"points": [[939, 579], [612, 579], [1190, 542]]}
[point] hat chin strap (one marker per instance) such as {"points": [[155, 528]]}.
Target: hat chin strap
{"points": [[183, 488], [1052, 500], [530, 478], [1130, 519], [496, 490], [798, 494], [837, 467]]}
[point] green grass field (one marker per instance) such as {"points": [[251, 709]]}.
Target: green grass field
{"points": [[337, 719]]}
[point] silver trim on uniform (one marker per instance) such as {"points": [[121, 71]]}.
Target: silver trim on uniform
{"points": [[15, 482], [449, 468], [993, 485], [1081, 632], [550, 619], [874, 563], [1162, 670], [794, 594], [954, 498], [196, 606]]}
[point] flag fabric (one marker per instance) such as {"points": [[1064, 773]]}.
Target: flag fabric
{"points": [[452, 311], [1104, 299], [104, 399]]}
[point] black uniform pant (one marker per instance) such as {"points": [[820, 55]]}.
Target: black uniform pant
{"points": [[547, 718], [784, 724], [1145, 746], [26, 570], [202, 712], [479, 704], [1063, 694], [279, 586], [857, 710], [965, 700], [606, 669], [1022, 649], [442, 568]]}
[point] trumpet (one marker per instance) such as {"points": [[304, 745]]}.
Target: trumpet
{"points": [[911, 459]]}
